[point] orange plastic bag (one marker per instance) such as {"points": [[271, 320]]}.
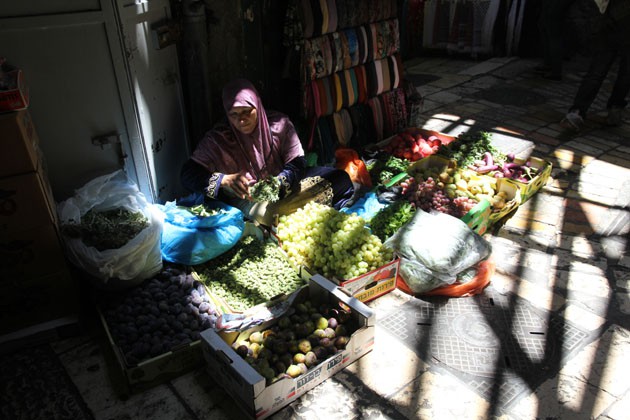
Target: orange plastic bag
{"points": [[485, 271], [349, 160]]}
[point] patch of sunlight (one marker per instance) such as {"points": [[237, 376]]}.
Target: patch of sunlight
{"points": [[567, 158]]}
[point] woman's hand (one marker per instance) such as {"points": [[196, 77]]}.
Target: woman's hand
{"points": [[239, 183]]}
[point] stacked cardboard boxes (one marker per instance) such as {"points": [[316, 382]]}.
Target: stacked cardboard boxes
{"points": [[36, 285]]}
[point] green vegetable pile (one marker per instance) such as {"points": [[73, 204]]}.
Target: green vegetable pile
{"points": [[382, 171], [266, 189], [109, 229], [391, 218], [251, 273], [202, 211], [470, 147]]}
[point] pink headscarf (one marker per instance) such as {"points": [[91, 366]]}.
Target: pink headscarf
{"points": [[265, 151]]}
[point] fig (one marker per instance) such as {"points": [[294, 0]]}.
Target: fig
{"points": [[332, 322], [280, 346], [320, 352], [304, 346], [321, 323], [319, 333], [310, 359], [329, 332], [284, 322], [341, 342], [294, 371], [341, 330], [302, 367]]}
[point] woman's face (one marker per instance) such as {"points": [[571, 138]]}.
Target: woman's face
{"points": [[244, 118]]}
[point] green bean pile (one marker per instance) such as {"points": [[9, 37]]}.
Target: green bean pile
{"points": [[249, 274]]}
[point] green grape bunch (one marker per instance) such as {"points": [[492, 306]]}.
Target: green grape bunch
{"points": [[334, 244]]}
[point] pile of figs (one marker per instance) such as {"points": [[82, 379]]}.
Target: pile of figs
{"points": [[307, 334], [165, 311]]}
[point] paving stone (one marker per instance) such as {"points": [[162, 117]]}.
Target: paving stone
{"points": [[582, 281], [205, 397], [586, 319], [595, 197], [619, 409], [622, 279], [539, 296], [584, 247], [608, 171], [623, 299], [587, 385], [87, 367], [440, 396], [483, 68], [443, 97], [586, 146]]}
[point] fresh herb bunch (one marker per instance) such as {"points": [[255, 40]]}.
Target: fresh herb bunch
{"points": [[382, 170], [391, 218], [202, 211], [469, 147], [109, 229], [266, 189]]}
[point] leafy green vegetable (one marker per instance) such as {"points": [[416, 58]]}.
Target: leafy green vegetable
{"points": [[266, 189], [469, 147], [391, 218], [382, 170], [109, 229], [202, 211]]}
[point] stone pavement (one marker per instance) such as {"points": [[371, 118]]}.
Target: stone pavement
{"points": [[554, 319]]}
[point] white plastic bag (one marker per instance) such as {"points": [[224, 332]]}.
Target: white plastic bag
{"points": [[435, 248], [139, 258]]}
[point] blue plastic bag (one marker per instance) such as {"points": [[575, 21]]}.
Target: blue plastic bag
{"points": [[191, 239], [366, 207]]}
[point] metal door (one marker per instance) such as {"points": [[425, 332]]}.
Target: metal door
{"points": [[101, 98]]}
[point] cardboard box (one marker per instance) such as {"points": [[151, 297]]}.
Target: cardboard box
{"points": [[249, 389], [28, 301], [31, 253], [370, 285], [19, 143], [527, 190], [365, 287], [132, 377], [26, 202], [482, 216], [153, 371], [16, 97]]}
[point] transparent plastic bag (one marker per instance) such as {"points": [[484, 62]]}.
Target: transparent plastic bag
{"points": [[133, 262], [441, 244]]}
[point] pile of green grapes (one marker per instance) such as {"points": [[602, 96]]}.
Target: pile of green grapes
{"points": [[332, 243]]}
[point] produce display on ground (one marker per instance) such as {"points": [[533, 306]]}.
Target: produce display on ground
{"points": [[306, 335], [391, 218], [334, 244], [521, 172], [412, 146], [109, 229], [250, 273], [469, 147], [451, 190], [163, 312]]}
